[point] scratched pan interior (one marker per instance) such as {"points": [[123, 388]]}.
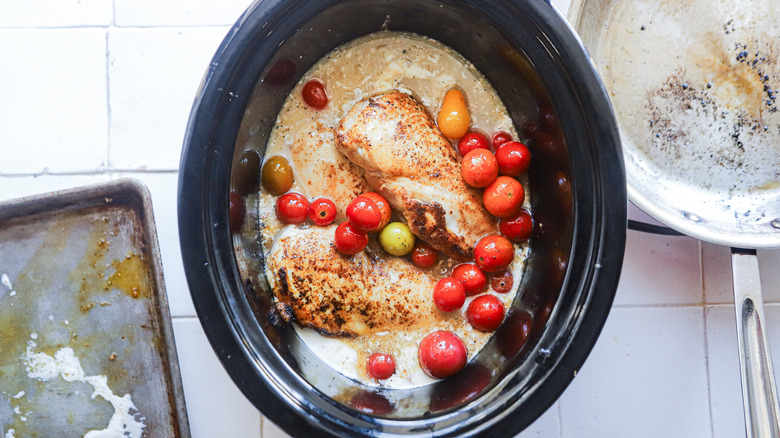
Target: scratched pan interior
{"points": [[81, 269], [694, 86]]}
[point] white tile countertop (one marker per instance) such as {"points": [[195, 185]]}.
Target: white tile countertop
{"points": [[92, 90]]}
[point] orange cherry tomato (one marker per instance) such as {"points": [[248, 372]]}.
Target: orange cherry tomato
{"points": [[314, 94], [453, 117], [504, 197], [493, 253], [384, 207], [479, 168]]}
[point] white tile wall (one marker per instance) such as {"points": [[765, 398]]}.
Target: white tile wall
{"points": [[98, 89]]}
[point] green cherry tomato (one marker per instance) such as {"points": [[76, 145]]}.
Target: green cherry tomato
{"points": [[397, 239]]}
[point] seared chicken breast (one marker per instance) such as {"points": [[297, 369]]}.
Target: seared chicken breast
{"points": [[365, 293], [323, 170], [408, 161]]}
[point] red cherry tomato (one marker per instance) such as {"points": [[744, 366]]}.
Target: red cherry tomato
{"points": [[502, 282], [485, 313], [471, 141], [442, 354], [381, 366], [236, 212], [364, 214], [291, 208], [384, 207], [472, 278], [349, 240], [500, 138], [493, 253], [504, 197], [517, 228], [314, 94], [513, 158], [322, 211], [449, 294], [479, 168], [423, 255]]}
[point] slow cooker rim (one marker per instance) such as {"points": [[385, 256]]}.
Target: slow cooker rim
{"points": [[217, 331]]}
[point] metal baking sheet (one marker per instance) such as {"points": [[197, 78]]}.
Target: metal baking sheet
{"points": [[86, 344]]}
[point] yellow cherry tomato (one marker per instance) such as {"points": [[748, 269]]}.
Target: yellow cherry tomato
{"points": [[397, 239], [453, 116]]}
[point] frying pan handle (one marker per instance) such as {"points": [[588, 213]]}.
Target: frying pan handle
{"points": [[758, 381]]}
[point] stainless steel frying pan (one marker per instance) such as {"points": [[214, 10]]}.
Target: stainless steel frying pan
{"points": [[694, 86]]}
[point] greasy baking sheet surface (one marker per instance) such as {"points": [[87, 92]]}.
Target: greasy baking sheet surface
{"points": [[79, 273]]}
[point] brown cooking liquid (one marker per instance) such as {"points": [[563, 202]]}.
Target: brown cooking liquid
{"points": [[379, 62]]}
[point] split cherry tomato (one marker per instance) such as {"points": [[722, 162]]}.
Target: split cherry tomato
{"points": [[513, 158], [485, 313], [449, 294], [472, 278], [471, 141], [502, 282], [493, 253], [517, 228], [442, 354], [291, 208], [322, 211], [364, 214], [504, 197], [349, 240], [424, 255], [381, 366], [479, 168], [384, 207], [236, 212], [500, 138], [314, 94]]}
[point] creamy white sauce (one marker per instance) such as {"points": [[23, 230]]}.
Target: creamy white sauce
{"points": [[64, 363], [425, 69]]}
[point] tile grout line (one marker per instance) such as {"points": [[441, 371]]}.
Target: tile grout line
{"points": [[560, 420], [706, 340], [707, 367]]}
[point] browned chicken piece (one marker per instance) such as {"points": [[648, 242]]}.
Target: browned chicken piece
{"points": [[323, 170], [408, 161], [342, 295]]}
